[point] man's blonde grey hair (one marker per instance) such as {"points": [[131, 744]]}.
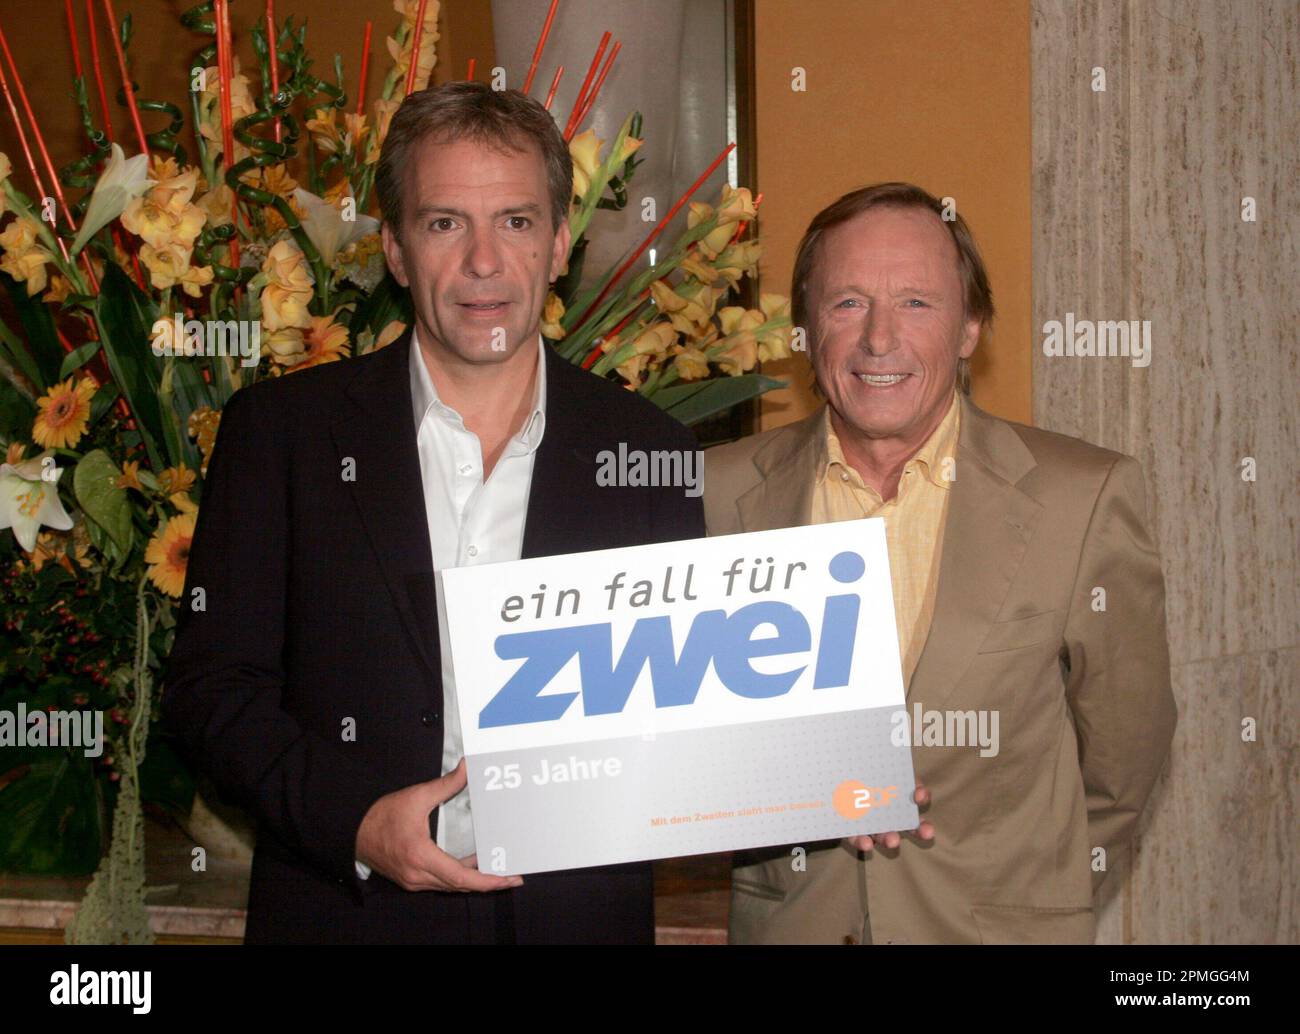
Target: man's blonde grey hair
{"points": [[977, 296]]}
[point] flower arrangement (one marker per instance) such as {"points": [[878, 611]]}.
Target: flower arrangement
{"points": [[105, 441]]}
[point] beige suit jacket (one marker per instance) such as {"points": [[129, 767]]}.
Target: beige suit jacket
{"points": [[1037, 522]]}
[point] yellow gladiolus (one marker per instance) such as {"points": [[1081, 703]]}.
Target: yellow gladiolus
{"points": [[551, 316]]}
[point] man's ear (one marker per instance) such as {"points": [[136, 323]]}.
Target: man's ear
{"points": [[970, 337], [393, 255], [560, 250]]}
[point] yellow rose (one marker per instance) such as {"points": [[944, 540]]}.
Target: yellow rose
{"points": [[24, 259], [149, 221], [194, 279], [19, 235], [287, 267], [217, 204], [166, 264], [282, 308], [284, 346]]}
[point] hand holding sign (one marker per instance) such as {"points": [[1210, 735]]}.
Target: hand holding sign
{"points": [[680, 698], [394, 840], [892, 838]]}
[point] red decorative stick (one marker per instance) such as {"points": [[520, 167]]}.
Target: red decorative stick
{"points": [[541, 44], [365, 69], [72, 37], [590, 361], [550, 94], [591, 98], [45, 156], [99, 74], [275, 63], [415, 48], [631, 259], [582, 90], [225, 70], [469, 72], [126, 76]]}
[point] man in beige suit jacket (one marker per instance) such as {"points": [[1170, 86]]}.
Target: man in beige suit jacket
{"points": [[1046, 606]]}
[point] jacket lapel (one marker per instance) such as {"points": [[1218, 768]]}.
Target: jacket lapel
{"points": [[378, 434], [564, 487], [788, 465], [987, 528]]}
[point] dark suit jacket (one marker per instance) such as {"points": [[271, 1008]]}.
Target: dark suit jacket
{"points": [[319, 608]]}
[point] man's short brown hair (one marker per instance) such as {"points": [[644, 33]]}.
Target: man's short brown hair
{"points": [[977, 295], [507, 119]]}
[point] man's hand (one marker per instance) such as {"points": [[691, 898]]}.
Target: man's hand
{"points": [[925, 831], [394, 841]]}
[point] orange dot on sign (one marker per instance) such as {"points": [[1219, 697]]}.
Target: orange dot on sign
{"points": [[851, 799]]}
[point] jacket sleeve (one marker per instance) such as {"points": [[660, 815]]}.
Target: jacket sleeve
{"points": [[1118, 686], [225, 673], [677, 515]]}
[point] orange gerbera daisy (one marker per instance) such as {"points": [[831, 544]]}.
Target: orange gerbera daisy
{"points": [[324, 342], [64, 414], [168, 553]]}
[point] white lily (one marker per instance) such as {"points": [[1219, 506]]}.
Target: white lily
{"points": [[122, 181], [28, 501], [327, 229]]}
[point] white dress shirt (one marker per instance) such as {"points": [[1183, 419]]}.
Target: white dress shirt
{"points": [[471, 521]]}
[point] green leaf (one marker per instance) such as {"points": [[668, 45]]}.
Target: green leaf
{"points": [[126, 318], [94, 484], [16, 411], [49, 810], [38, 333], [78, 358], [716, 396]]}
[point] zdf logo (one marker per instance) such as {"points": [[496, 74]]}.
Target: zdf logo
{"points": [[853, 799]]}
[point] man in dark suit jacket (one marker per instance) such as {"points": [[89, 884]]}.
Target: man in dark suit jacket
{"points": [[309, 685]]}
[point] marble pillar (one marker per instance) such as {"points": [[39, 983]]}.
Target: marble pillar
{"points": [[1169, 196]]}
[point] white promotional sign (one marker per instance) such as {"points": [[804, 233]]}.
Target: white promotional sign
{"points": [[679, 698]]}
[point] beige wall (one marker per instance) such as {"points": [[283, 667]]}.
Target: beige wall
{"points": [[936, 93]]}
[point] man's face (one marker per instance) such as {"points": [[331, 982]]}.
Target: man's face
{"points": [[886, 306], [477, 249]]}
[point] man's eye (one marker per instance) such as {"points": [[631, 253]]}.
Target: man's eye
{"points": [[916, 301], [442, 224], [519, 222], [846, 302]]}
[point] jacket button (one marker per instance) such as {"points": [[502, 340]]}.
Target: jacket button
{"points": [[427, 718]]}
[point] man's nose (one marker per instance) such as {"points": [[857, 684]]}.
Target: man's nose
{"points": [[482, 254], [878, 330]]}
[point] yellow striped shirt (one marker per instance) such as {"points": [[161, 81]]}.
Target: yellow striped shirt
{"points": [[914, 521]]}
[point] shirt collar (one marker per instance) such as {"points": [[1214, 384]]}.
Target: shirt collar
{"points": [[928, 459], [424, 396]]}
